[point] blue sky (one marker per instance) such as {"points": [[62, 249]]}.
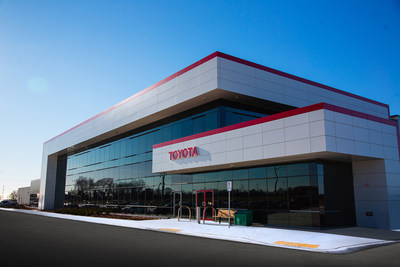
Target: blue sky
{"points": [[62, 62]]}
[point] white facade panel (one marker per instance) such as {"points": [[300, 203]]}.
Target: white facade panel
{"points": [[234, 134], [252, 140], [274, 150], [268, 76], [240, 88], [254, 129], [318, 144], [273, 136], [237, 67], [253, 153], [237, 77], [270, 87], [369, 179], [317, 128], [296, 120], [298, 147], [301, 131]]}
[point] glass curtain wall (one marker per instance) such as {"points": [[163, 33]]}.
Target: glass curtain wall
{"points": [[120, 172], [293, 194]]}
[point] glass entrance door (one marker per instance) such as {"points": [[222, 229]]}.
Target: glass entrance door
{"points": [[204, 199], [176, 202]]}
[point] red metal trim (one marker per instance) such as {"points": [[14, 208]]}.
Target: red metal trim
{"points": [[204, 196], [232, 58], [278, 116]]}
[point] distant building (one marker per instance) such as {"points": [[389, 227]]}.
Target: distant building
{"points": [[34, 193], [23, 195], [29, 195]]}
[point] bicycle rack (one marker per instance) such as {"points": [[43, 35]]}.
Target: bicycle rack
{"points": [[180, 212], [204, 213]]}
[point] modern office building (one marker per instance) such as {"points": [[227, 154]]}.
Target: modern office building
{"points": [[297, 152]]}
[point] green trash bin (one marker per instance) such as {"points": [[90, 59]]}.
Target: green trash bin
{"points": [[244, 217]]}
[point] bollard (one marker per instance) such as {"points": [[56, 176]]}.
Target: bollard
{"points": [[198, 214]]}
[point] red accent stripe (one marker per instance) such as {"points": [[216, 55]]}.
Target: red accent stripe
{"points": [[278, 116], [232, 58]]}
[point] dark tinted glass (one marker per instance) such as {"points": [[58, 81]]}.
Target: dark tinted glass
{"points": [[198, 124], [255, 173], [225, 176], [277, 194], [276, 171], [240, 194], [211, 121], [187, 127], [176, 130]]}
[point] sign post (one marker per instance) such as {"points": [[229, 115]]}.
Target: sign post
{"points": [[229, 189]]}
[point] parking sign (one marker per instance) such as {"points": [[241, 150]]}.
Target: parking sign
{"points": [[229, 186]]}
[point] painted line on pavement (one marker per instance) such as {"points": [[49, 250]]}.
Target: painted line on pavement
{"points": [[303, 245], [169, 229]]}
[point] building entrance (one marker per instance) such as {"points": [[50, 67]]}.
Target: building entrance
{"points": [[204, 199]]}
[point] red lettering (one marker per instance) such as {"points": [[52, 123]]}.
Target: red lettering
{"points": [[195, 153], [185, 153]]}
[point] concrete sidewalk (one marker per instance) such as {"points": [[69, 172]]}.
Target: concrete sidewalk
{"points": [[343, 240]]}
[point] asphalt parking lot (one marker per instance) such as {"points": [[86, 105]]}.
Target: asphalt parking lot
{"points": [[42, 241]]}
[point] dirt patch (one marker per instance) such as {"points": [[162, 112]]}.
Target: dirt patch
{"points": [[96, 212]]}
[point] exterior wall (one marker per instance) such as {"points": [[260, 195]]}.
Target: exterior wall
{"points": [[48, 181], [377, 190], [317, 131], [23, 195]]}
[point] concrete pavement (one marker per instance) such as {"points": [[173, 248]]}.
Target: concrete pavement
{"points": [[339, 240]]}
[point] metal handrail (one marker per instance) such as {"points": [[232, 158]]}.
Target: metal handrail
{"points": [[180, 212]]}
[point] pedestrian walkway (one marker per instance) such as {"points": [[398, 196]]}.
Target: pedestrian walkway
{"points": [[343, 240]]}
